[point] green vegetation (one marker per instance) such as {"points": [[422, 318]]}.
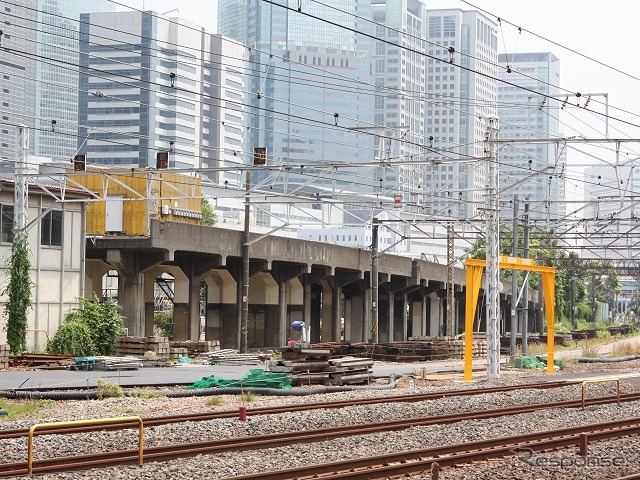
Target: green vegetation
{"points": [[208, 215], [625, 349], [18, 292], [590, 350], [143, 394], [213, 402], [91, 330], [164, 323], [247, 397], [19, 409], [108, 389]]}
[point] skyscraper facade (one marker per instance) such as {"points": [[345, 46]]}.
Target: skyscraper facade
{"points": [[398, 70], [309, 89], [39, 71], [158, 84], [461, 97], [528, 109]]}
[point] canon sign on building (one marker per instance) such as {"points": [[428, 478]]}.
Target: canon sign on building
{"points": [[526, 69]]}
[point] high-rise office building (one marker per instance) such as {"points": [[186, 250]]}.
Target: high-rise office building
{"points": [[528, 109], [461, 97], [156, 84], [309, 89], [39, 70], [398, 70]]}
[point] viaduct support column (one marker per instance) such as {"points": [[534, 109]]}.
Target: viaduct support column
{"points": [[131, 267]]}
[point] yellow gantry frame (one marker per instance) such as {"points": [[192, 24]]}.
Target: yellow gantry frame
{"points": [[474, 278]]}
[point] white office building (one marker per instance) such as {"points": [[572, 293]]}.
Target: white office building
{"points": [[461, 97], [159, 84], [398, 71]]}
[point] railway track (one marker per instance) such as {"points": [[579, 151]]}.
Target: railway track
{"points": [[169, 452], [167, 419], [415, 462]]}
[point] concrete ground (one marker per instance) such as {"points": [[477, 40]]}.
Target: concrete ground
{"points": [[187, 374]]}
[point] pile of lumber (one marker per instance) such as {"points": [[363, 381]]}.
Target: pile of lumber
{"points": [[304, 365], [410, 351], [228, 357], [350, 370], [127, 346], [4, 357]]}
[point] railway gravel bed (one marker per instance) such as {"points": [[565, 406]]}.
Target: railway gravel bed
{"points": [[621, 455]]}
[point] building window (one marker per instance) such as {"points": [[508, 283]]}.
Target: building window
{"points": [[6, 223], [51, 229]]}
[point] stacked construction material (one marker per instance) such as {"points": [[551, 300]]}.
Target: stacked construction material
{"points": [[105, 363], [455, 346], [479, 349], [4, 357], [176, 353], [162, 347], [305, 365], [228, 357], [350, 370], [196, 348], [131, 346], [408, 351], [158, 345]]}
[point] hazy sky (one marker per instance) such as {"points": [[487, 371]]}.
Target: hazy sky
{"points": [[607, 35]]}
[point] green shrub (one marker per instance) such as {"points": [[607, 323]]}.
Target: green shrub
{"points": [[247, 397], [108, 389], [214, 402], [164, 323], [91, 330], [73, 337], [603, 334]]}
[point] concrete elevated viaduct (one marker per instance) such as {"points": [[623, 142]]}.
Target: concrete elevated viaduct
{"points": [[290, 280]]}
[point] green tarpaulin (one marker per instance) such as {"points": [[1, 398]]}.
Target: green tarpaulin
{"points": [[254, 378]]}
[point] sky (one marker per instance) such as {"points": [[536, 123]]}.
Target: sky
{"points": [[571, 30]]}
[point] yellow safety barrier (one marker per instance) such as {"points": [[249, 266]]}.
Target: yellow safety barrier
{"points": [[600, 380], [99, 421]]}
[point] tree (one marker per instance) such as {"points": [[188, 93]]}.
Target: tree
{"points": [[18, 292], [208, 215]]}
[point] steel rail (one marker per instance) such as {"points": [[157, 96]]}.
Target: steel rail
{"points": [[198, 417], [415, 462], [167, 452]]}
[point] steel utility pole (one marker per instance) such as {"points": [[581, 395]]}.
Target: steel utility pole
{"points": [[451, 326], [374, 279], [525, 294], [493, 242], [514, 282], [244, 317], [21, 194]]}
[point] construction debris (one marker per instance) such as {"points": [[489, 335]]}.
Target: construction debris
{"points": [[41, 361], [115, 363]]}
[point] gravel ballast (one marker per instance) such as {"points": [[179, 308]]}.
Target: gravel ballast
{"points": [[618, 457]]}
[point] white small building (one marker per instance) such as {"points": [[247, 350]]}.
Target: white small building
{"points": [[56, 238]]}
